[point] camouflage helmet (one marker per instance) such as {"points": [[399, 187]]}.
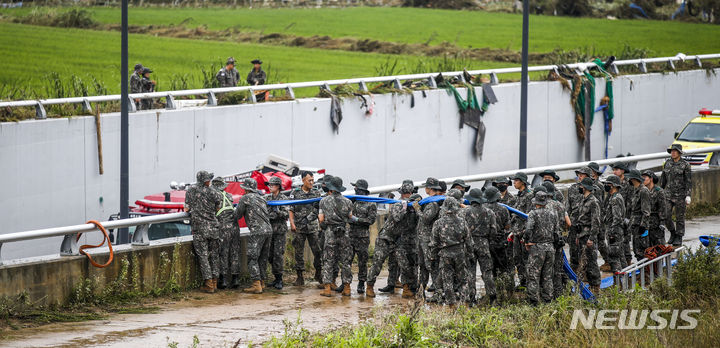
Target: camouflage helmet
{"points": [[588, 184], [204, 176], [476, 195], [491, 194], [455, 193], [584, 170], [219, 183], [614, 180], [249, 184], [550, 187], [649, 173], [274, 180], [451, 205], [433, 183]]}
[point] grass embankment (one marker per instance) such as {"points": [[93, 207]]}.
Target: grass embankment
{"points": [[695, 286], [475, 29]]}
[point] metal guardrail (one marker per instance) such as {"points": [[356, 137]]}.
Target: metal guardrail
{"points": [[140, 237], [644, 271], [361, 82]]}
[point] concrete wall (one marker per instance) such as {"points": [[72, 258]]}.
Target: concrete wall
{"points": [[51, 176]]}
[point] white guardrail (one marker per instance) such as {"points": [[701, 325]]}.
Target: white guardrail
{"points": [[140, 236], [361, 82]]}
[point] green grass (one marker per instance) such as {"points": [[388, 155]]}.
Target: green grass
{"points": [[464, 28], [87, 52]]}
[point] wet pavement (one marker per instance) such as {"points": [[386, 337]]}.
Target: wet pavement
{"points": [[232, 318]]}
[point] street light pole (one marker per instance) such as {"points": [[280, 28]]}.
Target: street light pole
{"points": [[123, 236], [524, 87]]}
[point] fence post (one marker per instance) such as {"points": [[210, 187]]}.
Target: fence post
{"points": [[69, 246], [140, 236], [40, 112]]}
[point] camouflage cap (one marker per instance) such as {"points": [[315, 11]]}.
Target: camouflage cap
{"points": [[619, 165], [613, 180], [406, 188], [676, 147], [501, 180], [540, 198], [230, 60], [204, 176], [584, 170], [433, 183], [274, 180], [451, 205], [491, 194], [256, 61], [550, 173], [138, 66], [539, 189], [412, 183], [634, 174], [335, 184], [550, 187], [588, 184], [455, 193], [595, 167], [249, 184], [219, 183], [649, 173], [461, 183], [522, 177], [415, 197], [476, 195], [146, 70], [361, 184]]}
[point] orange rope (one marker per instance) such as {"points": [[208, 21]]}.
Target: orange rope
{"points": [[105, 238]]}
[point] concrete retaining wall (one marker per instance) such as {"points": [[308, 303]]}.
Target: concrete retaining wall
{"points": [[51, 176]]}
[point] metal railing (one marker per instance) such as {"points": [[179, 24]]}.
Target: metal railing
{"points": [[645, 271], [362, 83], [140, 236]]}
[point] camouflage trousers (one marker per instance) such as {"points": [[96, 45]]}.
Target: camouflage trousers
{"points": [[602, 245], [639, 243], [393, 269], [574, 248], [540, 267], [336, 251], [481, 255], [588, 270], [451, 266], [428, 266], [258, 250], [383, 250], [277, 253], [627, 250], [298, 243], [500, 261], [229, 245], [676, 207], [207, 252], [560, 278], [520, 256], [360, 246], [616, 258], [407, 263]]}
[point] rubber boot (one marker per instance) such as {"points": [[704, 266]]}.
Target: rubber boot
{"points": [[369, 291], [235, 281], [255, 288], [278, 283], [361, 287], [300, 281], [406, 292], [346, 289], [327, 291], [208, 287], [388, 288]]}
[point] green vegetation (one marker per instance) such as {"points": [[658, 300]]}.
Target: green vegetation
{"points": [[466, 29], [702, 209], [548, 325]]}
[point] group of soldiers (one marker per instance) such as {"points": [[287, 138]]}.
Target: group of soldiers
{"points": [[140, 82], [438, 246]]}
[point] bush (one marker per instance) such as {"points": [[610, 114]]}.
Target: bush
{"points": [[697, 276]]}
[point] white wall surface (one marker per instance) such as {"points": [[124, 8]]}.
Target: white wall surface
{"points": [[50, 168]]}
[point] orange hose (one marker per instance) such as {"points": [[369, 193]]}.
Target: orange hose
{"points": [[105, 238]]}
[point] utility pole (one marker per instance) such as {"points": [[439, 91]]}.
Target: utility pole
{"points": [[123, 236], [524, 88]]}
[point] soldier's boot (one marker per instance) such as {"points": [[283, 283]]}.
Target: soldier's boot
{"points": [[214, 284], [235, 281], [339, 288], [346, 289], [223, 281], [262, 284], [318, 276], [406, 292], [208, 287], [605, 267], [327, 291], [278, 283], [595, 289], [300, 281], [369, 291], [361, 287], [388, 288], [398, 285], [255, 288]]}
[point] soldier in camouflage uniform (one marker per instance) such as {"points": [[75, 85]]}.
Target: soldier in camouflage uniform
{"points": [[334, 214], [658, 209], [393, 264], [600, 194], [523, 203], [426, 217], [572, 206], [406, 254], [449, 237], [676, 179], [507, 198], [136, 83], [483, 227], [304, 226], [540, 234], [626, 191], [613, 222], [228, 76], [147, 86], [229, 238], [460, 184], [589, 222], [498, 242], [552, 177], [253, 207], [202, 203], [278, 216], [401, 220], [560, 278], [257, 75], [640, 216], [366, 214]]}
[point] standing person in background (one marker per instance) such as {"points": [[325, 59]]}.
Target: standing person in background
{"points": [[626, 191], [658, 209], [366, 213], [304, 226], [278, 216], [676, 179], [257, 75], [614, 223], [148, 86], [228, 76], [640, 214], [135, 83], [202, 203]]}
